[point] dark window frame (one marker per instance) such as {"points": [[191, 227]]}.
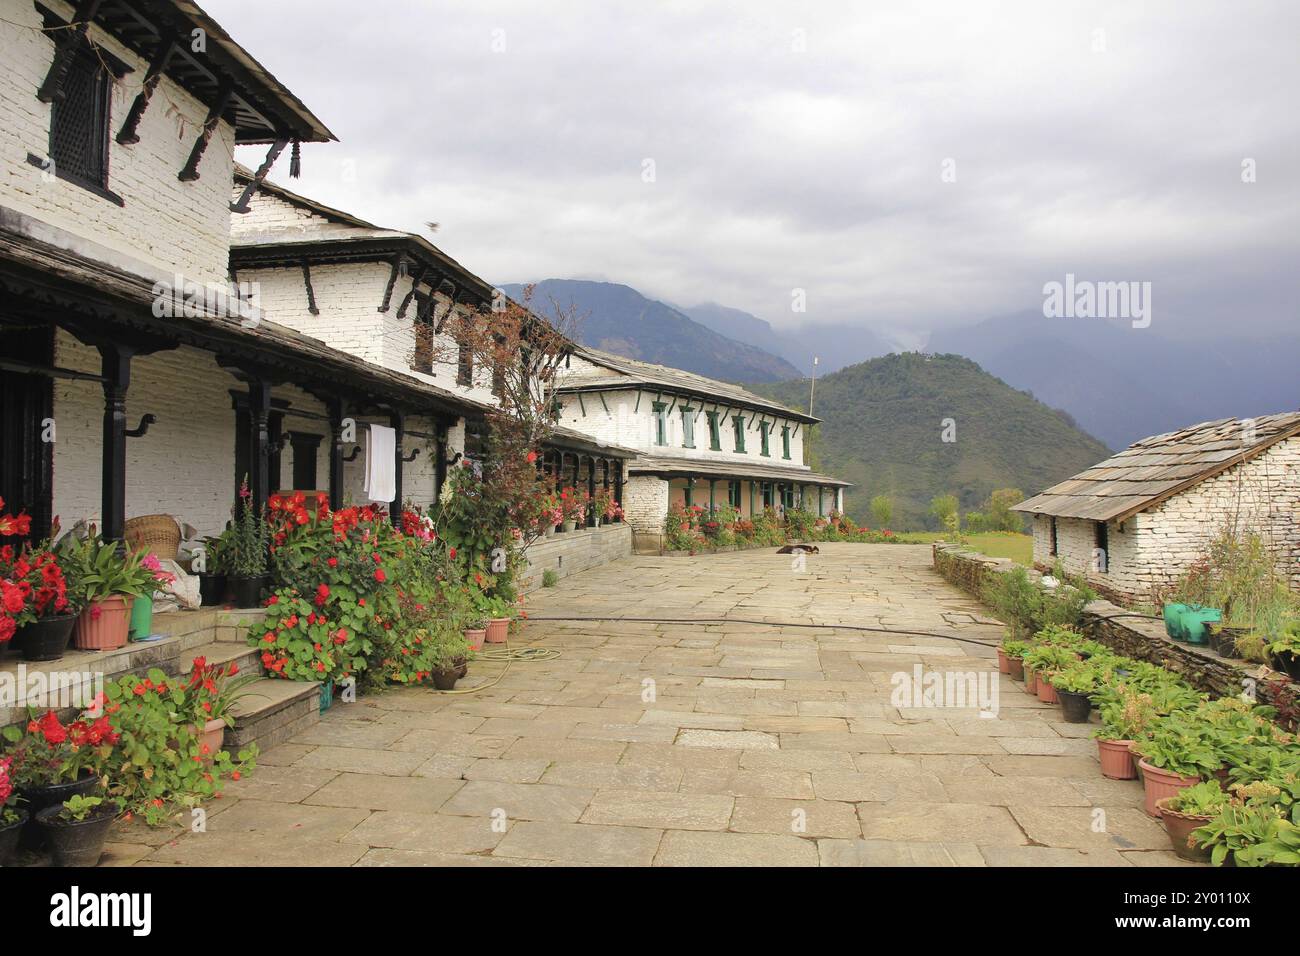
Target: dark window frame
{"points": [[785, 442], [1101, 540], [738, 431], [715, 432], [1054, 539], [660, 412]]}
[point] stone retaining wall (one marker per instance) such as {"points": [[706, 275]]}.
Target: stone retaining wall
{"points": [[573, 551], [1139, 637]]}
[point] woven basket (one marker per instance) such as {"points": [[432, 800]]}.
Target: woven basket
{"points": [[158, 535]]}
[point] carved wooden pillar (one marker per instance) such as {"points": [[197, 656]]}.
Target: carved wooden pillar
{"points": [[116, 366]]}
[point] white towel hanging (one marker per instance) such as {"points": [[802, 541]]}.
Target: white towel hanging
{"points": [[381, 464]]}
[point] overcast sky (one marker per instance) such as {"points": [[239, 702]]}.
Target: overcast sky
{"points": [[804, 146]]}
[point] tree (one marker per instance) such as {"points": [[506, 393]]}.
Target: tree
{"points": [[944, 509], [998, 513], [882, 510]]}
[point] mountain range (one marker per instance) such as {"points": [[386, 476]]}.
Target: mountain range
{"points": [[884, 429]]}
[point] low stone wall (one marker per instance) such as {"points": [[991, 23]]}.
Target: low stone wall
{"points": [[1140, 637], [573, 551]]}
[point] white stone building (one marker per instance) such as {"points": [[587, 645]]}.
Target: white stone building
{"points": [[699, 441], [1135, 522]]}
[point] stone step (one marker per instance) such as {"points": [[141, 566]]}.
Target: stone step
{"points": [[223, 653], [271, 712]]}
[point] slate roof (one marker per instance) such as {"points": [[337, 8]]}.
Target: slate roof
{"points": [[618, 372], [1154, 469], [708, 468]]}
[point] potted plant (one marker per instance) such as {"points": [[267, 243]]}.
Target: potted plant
{"points": [[1252, 830], [142, 607], [570, 508], [51, 762], [39, 597], [1073, 686], [1014, 651], [210, 693], [212, 579], [1125, 721], [77, 829], [247, 555], [1187, 810], [1047, 659], [476, 632], [108, 581], [449, 656], [498, 613], [1284, 649], [1178, 753], [12, 818]]}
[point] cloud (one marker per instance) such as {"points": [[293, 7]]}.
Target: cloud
{"points": [[804, 147]]}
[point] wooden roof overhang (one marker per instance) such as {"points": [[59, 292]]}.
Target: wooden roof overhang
{"points": [[424, 260], [703, 395], [51, 285], [565, 439], [259, 107], [669, 469]]}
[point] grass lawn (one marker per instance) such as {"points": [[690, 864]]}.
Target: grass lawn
{"points": [[996, 544]]}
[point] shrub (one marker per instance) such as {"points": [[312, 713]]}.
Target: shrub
{"points": [[550, 578]]}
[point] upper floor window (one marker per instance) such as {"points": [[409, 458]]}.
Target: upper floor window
{"points": [[764, 428], [688, 427], [79, 121], [661, 423], [738, 428], [422, 357], [464, 365], [715, 437], [785, 442]]}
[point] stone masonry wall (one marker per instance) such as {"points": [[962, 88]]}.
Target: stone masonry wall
{"points": [[570, 552]]}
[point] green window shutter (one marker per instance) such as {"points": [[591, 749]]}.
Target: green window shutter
{"points": [[733, 494], [764, 428], [661, 423], [715, 439], [785, 442], [688, 427], [738, 426]]}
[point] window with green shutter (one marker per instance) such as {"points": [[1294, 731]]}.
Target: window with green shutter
{"points": [[688, 427], [738, 427], [715, 437], [763, 429], [785, 442], [733, 494], [661, 423]]}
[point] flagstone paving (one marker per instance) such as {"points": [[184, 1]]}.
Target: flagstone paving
{"points": [[735, 743]]}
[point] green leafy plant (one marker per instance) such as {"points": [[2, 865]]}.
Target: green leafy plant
{"points": [[1254, 833], [1181, 743], [550, 578], [102, 570], [1080, 678], [79, 808], [1014, 648], [1205, 799], [246, 554], [1129, 716]]}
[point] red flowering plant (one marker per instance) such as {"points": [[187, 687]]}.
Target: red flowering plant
{"points": [[8, 794], [33, 585], [212, 689], [46, 751], [161, 764]]}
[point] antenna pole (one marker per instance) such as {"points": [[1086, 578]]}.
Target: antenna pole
{"points": [[812, 388]]}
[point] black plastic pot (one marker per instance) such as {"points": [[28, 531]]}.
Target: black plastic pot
{"points": [[53, 795], [1075, 708], [247, 591], [212, 589], [77, 842], [46, 639], [1286, 662], [9, 836], [445, 678]]}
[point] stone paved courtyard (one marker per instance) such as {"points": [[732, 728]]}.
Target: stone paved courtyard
{"points": [[760, 746]]}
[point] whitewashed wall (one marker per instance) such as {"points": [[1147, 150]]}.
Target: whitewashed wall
{"points": [[171, 225]]}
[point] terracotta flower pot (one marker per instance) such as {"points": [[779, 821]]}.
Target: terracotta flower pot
{"points": [[1116, 759], [1004, 662], [497, 630], [213, 734], [1046, 692], [475, 636], [1160, 784], [103, 625], [1179, 826], [1016, 668]]}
